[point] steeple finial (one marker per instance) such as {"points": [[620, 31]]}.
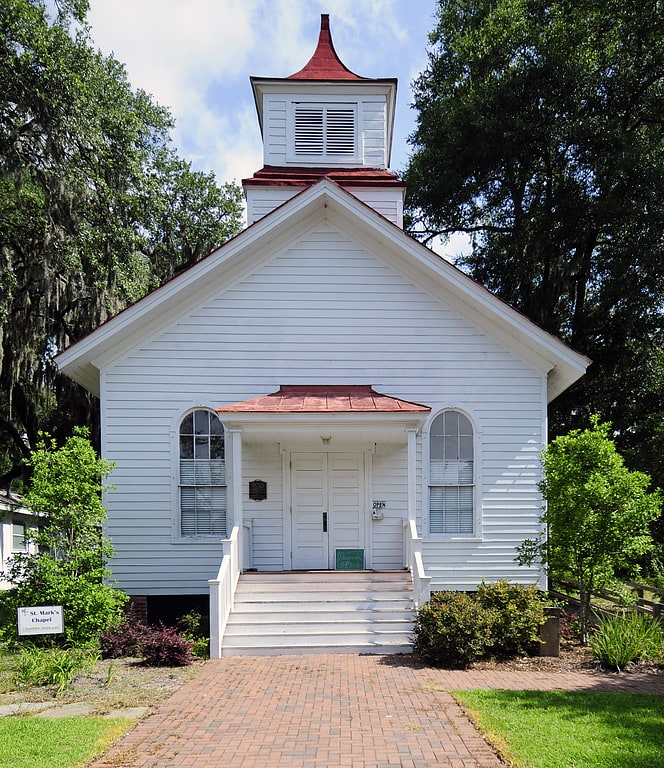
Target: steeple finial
{"points": [[325, 64]]}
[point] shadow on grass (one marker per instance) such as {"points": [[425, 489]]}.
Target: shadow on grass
{"points": [[558, 729]]}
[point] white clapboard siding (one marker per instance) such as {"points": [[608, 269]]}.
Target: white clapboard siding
{"points": [[324, 311], [267, 516], [388, 201], [371, 129]]}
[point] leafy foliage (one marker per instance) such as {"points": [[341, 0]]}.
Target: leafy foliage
{"points": [[96, 210], [539, 135], [158, 646], [626, 638], [457, 628], [68, 566], [165, 647], [54, 666], [517, 614], [598, 513], [452, 629], [124, 640], [195, 628]]}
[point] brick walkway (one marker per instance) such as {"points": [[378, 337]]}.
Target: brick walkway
{"points": [[330, 711]]}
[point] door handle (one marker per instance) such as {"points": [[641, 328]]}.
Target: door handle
{"points": [[324, 522]]}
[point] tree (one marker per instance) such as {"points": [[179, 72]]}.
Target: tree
{"points": [[540, 133], [68, 565], [598, 513], [96, 210]]}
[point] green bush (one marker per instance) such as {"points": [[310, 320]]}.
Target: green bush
{"points": [[452, 629], [88, 605], [194, 627], [517, 613], [626, 638], [67, 562], [457, 628]]}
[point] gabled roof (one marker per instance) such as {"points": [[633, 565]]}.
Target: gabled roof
{"points": [[325, 64], [258, 243], [330, 398]]}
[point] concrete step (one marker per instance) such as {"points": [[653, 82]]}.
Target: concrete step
{"points": [[321, 612], [306, 608], [329, 627]]}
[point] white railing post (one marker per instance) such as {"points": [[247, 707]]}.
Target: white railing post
{"points": [[222, 590], [415, 564]]}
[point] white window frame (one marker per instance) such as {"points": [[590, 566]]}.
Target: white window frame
{"points": [[323, 156], [25, 542], [476, 533], [200, 480]]}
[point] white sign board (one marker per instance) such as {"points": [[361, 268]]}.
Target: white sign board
{"points": [[40, 620]]}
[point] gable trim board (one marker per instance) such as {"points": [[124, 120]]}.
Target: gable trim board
{"points": [[83, 360]]}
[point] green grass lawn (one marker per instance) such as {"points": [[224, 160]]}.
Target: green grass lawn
{"points": [[36, 742], [568, 729]]}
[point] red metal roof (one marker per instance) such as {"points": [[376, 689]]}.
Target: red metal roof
{"points": [[325, 64], [278, 176], [332, 398]]}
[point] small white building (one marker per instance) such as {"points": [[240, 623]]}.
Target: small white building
{"points": [[15, 521], [323, 391]]}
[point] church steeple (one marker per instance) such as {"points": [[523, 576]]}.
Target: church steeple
{"points": [[325, 121], [325, 64]]}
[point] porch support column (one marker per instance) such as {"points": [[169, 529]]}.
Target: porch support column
{"points": [[412, 474], [237, 483]]}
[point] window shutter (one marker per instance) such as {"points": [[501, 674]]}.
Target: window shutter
{"points": [[309, 131], [340, 132]]}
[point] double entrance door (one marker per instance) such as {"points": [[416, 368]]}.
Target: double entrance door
{"points": [[328, 508]]}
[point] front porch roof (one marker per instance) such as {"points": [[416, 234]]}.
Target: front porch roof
{"points": [[349, 413], [333, 398]]}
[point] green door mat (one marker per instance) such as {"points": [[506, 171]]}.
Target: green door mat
{"points": [[350, 559]]}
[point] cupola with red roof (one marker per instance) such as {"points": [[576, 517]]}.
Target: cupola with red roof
{"points": [[325, 121]]}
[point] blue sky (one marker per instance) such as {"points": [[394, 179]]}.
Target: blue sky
{"points": [[196, 56]]}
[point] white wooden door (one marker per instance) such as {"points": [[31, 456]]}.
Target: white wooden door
{"points": [[327, 507]]}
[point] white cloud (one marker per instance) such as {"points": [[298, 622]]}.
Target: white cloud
{"points": [[195, 57]]}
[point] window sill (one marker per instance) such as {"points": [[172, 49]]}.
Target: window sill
{"points": [[213, 539], [471, 538]]}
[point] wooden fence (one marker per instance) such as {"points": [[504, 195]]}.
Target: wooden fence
{"points": [[652, 607]]}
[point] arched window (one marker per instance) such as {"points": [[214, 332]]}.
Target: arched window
{"points": [[451, 474], [202, 475]]}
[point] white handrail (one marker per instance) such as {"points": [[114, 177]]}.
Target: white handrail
{"points": [[415, 564], [222, 591]]}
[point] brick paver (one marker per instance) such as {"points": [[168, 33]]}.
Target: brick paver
{"points": [[330, 711]]}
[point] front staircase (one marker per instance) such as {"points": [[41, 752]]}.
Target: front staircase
{"points": [[321, 612]]}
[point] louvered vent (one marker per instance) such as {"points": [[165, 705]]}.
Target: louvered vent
{"points": [[309, 131], [324, 131], [340, 132]]}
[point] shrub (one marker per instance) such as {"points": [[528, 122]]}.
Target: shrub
{"points": [[626, 638], [452, 629], [125, 640], [570, 628], [165, 647], [195, 628], [67, 565], [158, 646], [517, 614]]}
